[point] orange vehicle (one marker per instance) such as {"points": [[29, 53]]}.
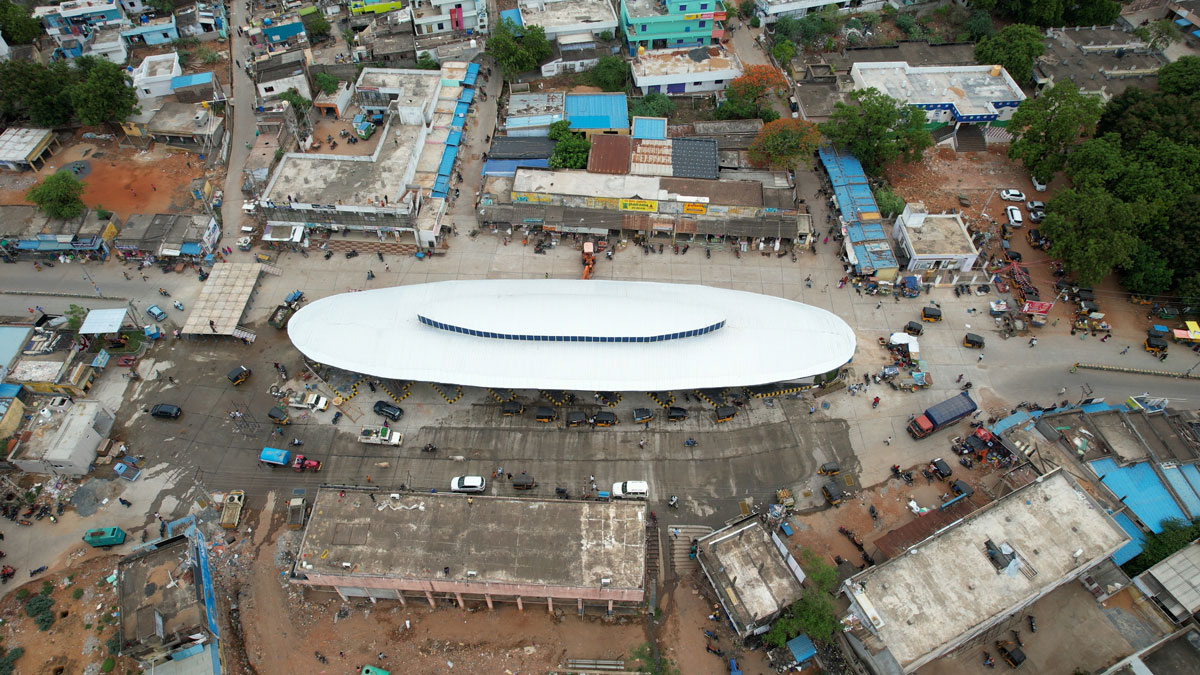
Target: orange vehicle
{"points": [[589, 259]]}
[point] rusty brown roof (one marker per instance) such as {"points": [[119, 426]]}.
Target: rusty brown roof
{"points": [[724, 192], [610, 154]]}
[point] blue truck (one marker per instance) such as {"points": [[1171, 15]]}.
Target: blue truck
{"points": [[941, 416], [275, 457]]}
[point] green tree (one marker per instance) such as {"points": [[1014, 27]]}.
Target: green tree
{"points": [[877, 129], [814, 613], [1148, 272], [38, 93], [979, 25], [17, 25], [105, 96], [890, 203], [1092, 230], [427, 62], [822, 575], [1159, 34], [786, 142], [1048, 127], [654, 105], [611, 73], [570, 148], [164, 6], [606, 36], [745, 8], [1092, 13], [317, 27], [58, 195], [1175, 536], [1015, 47], [517, 49], [326, 82], [1037, 12], [783, 51], [298, 102], [1181, 77]]}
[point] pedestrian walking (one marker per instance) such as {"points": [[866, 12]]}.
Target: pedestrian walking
{"points": [[647, 425], [879, 304], [127, 278], [170, 379], [380, 656], [887, 441], [642, 443], [812, 409], [980, 357], [1032, 342], [674, 532], [156, 516], [144, 277], [153, 188], [960, 377], [1125, 351]]}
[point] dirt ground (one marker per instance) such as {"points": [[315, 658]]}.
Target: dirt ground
{"points": [[416, 638], [82, 626], [943, 175], [122, 180]]}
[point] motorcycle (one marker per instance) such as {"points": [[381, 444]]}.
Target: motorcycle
{"points": [[908, 478], [177, 305], [988, 660], [710, 635], [660, 249], [34, 573], [429, 447], [673, 502], [351, 254], [283, 371], [337, 416], [874, 513], [1032, 624], [713, 650], [689, 443], [685, 248], [966, 461], [371, 384], [875, 403], [328, 255], [380, 256], [966, 386], [708, 253], [163, 292], [928, 476], [297, 442], [1017, 637], [896, 473]]}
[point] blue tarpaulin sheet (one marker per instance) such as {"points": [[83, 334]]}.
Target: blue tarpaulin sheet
{"points": [[802, 648], [440, 185], [513, 15], [1133, 548], [454, 138], [190, 249], [508, 167], [448, 157], [472, 75], [460, 116], [466, 96]]}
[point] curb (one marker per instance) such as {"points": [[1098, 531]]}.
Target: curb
{"points": [[1136, 371]]}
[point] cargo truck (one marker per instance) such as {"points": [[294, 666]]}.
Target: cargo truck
{"points": [[308, 402], [941, 416], [275, 457], [380, 435], [231, 512], [297, 509]]}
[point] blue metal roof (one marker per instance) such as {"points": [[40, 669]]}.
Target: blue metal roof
{"points": [[597, 111], [467, 95], [863, 232], [190, 80], [455, 138], [1187, 493], [850, 186], [514, 15], [448, 157], [1014, 421], [460, 116], [873, 256], [650, 127], [508, 167], [1140, 489], [471, 76], [9, 390], [190, 248], [527, 121], [441, 185], [1192, 474], [1133, 548]]}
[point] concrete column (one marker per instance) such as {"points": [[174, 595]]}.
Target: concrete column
{"points": [[550, 605], [488, 598], [371, 598], [580, 604], [610, 606], [429, 597], [520, 607], [339, 592], [458, 596], [400, 597]]}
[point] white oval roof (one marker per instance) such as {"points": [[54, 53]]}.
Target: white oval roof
{"points": [[572, 335]]}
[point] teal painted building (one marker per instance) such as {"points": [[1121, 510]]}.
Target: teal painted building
{"points": [[671, 24]]}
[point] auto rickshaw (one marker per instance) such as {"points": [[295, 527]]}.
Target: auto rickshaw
{"points": [[1157, 331], [726, 413], [238, 375], [1011, 654], [960, 487], [676, 414], [511, 408], [973, 341], [605, 419], [913, 328], [545, 415], [642, 415], [829, 469], [262, 257], [279, 416], [833, 493], [523, 482], [931, 314], [576, 419], [1155, 345]]}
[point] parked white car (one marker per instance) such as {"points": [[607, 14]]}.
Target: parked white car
{"points": [[1014, 216], [468, 484], [1012, 195]]}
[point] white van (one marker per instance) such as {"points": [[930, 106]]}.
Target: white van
{"points": [[631, 489]]}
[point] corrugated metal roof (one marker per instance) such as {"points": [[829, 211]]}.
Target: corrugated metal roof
{"points": [[727, 192], [520, 147], [597, 111], [610, 154], [1140, 489], [651, 157], [1183, 489], [694, 158], [649, 127], [1134, 548], [1179, 574], [508, 167], [850, 186], [191, 80]]}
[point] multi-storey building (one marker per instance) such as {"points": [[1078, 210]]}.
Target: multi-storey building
{"points": [[670, 24], [79, 28]]}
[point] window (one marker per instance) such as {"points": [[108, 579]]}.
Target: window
{"points": [[683, 8], [687, 29], [703, 23], [147, 91], [441, 26], [697, 84], [719, 82], [703, 7], [643, 28], [269, 90]]}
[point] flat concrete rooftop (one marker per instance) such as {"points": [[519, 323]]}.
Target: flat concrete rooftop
{"points": [[750, 572], [635, 8], [336, 179], [506, 540], [971, 89], [157, 591], [551, 14], [941, 234], [681, 61], [17, 144], [409, 83], [947, 586]]}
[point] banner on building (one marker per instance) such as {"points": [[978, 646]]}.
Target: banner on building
{"points": [[644, 205]]}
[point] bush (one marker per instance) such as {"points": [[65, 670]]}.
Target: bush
{"points": [[38, 604], [906, 23], [108, 665], [47, 588], [8, 661], [754, 22], [607, 36], [22, 594], [77, 593], [207, 55], [114, 644], [854, 23], [869, 20], [890, 204], [44, 621]]}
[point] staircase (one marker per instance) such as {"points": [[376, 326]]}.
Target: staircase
{"points": [[272, 269], [969, 138], [998, 135], [244, 334], [678, 548]]}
